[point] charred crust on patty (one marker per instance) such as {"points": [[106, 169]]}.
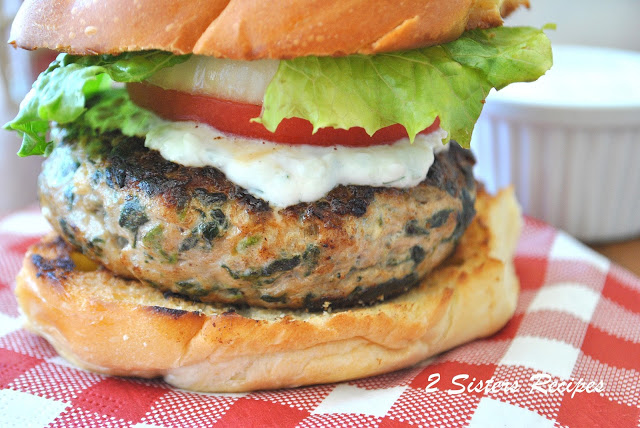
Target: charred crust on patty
{"points": [[363, 296], [131, 165], [343, 201], [192, 232]]}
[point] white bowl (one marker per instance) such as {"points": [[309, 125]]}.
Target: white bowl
{"points": [[570, 143]]}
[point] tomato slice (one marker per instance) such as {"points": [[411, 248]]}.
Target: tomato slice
{"points": [[235, 118]]}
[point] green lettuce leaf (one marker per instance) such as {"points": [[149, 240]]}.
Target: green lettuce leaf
{"points": [[411, 88], [59, 94], [113, 110]]}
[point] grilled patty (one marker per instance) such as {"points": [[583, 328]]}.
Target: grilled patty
{"points": [[192, 232]]}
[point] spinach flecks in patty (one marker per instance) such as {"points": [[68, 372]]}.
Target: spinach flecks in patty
{"points": [[310, 258], [417, 254], [188, 243], [132, 216], [281, 265], [153, 239], [274, 267], [247, 242], [209, 198], [213, 225], [439, 218], [274, 299], [463, 217], [412, 228], [191, 287]]}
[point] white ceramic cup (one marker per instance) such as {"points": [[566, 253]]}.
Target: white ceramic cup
{"points": [[570, 143]]}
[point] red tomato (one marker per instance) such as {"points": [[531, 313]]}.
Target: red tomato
{"points": [[235, 118]]}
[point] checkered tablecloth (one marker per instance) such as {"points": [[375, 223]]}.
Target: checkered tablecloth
{"points": [[569, 357]]}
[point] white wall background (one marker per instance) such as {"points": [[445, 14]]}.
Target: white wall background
{"points": [[17, 175], [611, 23]]}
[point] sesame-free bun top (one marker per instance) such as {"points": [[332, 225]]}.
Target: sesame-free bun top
{"points": [[250, 29]]}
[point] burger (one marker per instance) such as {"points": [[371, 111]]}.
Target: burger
{"points": [[251, 195]]}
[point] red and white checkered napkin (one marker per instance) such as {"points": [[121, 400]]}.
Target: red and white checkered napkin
{"points": [[569, 357]]}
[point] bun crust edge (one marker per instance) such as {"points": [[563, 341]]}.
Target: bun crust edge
{"points": [[121, 327], [250, 29]]}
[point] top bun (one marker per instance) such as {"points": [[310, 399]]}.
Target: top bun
{"points": [[250, 29]]}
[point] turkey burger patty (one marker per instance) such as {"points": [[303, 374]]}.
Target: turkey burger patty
{"points": [[191, 231]]}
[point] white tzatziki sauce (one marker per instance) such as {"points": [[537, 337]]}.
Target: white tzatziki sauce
{"points": [[285, 175]]}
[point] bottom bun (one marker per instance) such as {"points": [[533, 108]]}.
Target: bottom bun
{"points": [[110, 325]]}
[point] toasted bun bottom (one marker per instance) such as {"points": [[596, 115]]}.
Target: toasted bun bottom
{"points": [[121, 327]]}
